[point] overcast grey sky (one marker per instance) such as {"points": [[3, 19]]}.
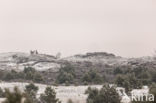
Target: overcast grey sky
{"points": [[123, 27]]}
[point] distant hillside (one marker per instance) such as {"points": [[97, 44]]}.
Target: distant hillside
{"points": [[18, 60], [98, 57], [42, 62], [48, 67]]}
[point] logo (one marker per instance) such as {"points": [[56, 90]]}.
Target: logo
{"points": [[142, 97]]}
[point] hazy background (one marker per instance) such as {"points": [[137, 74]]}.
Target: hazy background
{"points": [[124, 27]]}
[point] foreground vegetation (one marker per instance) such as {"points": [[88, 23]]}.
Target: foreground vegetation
{"points": [[29, 95], [106, 94]]}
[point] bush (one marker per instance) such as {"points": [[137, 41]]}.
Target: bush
{"points": [[29, 69], [8, 76], [32, 74], [31, 87], [92, 77], [118, 71], [31, 92], [13, 97], [2, 94], [29, 73], [66, 74], [37, 78], [49, 96], [106, 94]]}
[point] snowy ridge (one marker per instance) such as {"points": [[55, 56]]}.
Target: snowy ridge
{"points": [[42, 62], [17, 61]]}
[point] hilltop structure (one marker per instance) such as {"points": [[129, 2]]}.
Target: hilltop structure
{"points": [[34, 52]]}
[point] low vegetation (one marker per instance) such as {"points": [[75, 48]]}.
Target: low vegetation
{"points": [[66, 74], [92, 77], [28, 74], [127, 76]]}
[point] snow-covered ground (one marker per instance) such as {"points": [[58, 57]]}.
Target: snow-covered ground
{"points": [[76, 93]]}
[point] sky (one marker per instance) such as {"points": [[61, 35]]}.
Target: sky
{"points": [[124, 27]]}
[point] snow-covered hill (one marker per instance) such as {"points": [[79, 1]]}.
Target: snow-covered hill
{"points": [[98, 57], [42, 62], [18, 60]]}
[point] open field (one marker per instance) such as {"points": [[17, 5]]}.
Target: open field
{"points": [[76, 93]]}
